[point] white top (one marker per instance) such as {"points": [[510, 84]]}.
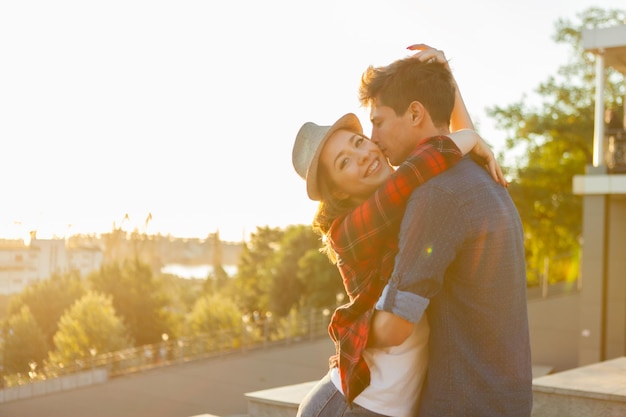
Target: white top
{"points": [[396, 375]]}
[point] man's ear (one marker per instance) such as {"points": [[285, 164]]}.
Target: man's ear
{"points": [[416, 112]]}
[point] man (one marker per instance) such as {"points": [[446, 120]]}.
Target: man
{"points": [[461, 256]]}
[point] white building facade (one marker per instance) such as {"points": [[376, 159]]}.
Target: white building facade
{"points": [[22, 265]]}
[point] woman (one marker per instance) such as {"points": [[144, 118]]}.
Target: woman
{"points": [[349, 175]]}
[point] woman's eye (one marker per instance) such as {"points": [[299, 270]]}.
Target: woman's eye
{"points": [[359, 142], [343, 163]]}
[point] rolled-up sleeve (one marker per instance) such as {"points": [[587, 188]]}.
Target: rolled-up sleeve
{"points": [[404, 304], [431, 230]]}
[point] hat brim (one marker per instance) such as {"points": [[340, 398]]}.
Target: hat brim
{"points": [[346, 122]]}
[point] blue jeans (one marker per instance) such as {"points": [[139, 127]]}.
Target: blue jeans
{"points": [[324, 400]]}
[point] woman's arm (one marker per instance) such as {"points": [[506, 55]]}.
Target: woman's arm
{"points": [[358, 234], [469, 141], [460, 118]]}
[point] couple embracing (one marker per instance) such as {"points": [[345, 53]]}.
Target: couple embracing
{"points": [[430, 248]]}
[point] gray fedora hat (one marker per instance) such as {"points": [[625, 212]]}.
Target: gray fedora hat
{"points": [[309, 143]]}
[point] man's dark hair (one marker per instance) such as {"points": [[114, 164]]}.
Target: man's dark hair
{"points": [[407, 80]]}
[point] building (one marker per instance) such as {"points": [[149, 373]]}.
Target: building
{"points": [[18, 266], [22, 264], [602, 332]]}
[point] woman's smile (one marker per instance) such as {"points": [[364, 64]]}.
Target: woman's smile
{"points": [[373, 167]]}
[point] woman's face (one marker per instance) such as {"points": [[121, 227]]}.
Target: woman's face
{"points": [[355, 164]]}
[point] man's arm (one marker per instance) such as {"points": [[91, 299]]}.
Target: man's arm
{"points": [[387, 329], [430, 231]]}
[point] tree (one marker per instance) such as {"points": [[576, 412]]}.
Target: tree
{"points": [[137, 297], [182, 295], [321, 280], [285, 290], [279, 268], [255, 271], [90, 326], [24, 342], [302, 272], [555, 138], [47, 300], [212, 314], [218, 278]]}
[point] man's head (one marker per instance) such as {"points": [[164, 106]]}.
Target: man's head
{"points": [[409, 100]]}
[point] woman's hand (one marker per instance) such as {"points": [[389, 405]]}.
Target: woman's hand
{"points": [[460, 118], [482, 154], [428, 53]]}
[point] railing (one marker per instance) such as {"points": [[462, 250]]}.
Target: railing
{"points": [[255, 332], [259, 332], [615, 155], [545, 289]]}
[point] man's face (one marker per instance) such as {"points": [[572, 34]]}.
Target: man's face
{"points": [[392, 133]]}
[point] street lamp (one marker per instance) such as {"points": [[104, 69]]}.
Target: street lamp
{"points": [[164, 337], [92, 352], [32, 373], [245, 321], [266, 326]]}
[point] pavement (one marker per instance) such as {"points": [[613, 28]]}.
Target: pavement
{"points": [[209, 386]]}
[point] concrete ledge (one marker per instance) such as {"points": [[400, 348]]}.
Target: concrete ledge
{"points": [[284, 401], [593, 390], [278, 402]]}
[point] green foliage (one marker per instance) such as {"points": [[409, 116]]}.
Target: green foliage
{"points": [[321, 280], [285, 288], [303, 273], [48, 299], [5, 299], [281, 269], [555, 138], [90, 326], [255, 271], [182, 295], [218, 278], [137, 297], [212, 314], [24, 342], [216, 281]]}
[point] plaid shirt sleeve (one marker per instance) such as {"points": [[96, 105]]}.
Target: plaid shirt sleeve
{"points": [[362, 242], [356, 235]]}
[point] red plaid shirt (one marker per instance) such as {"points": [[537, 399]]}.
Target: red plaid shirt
{"points": [[366, 242]]}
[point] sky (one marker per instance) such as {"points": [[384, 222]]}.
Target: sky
{"points": [[178, 117]]}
